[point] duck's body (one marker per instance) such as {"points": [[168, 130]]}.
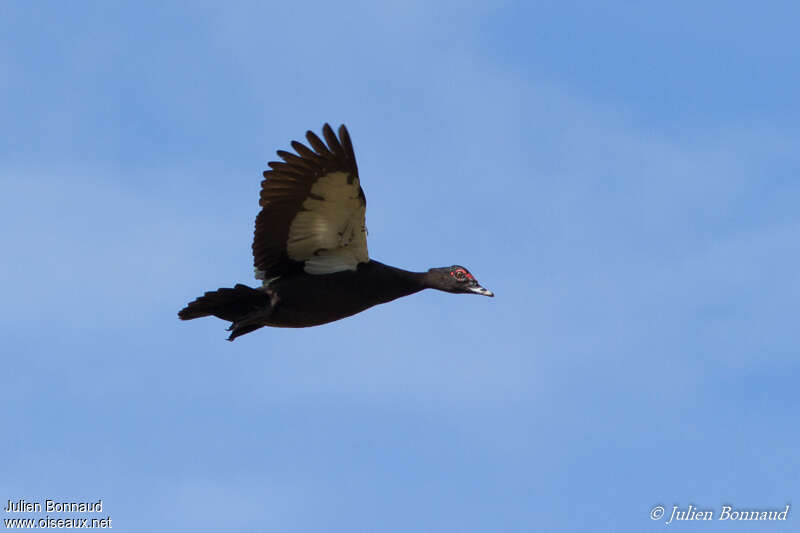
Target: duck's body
{"points": [[310, 300], [310, 249], [304, 300]]}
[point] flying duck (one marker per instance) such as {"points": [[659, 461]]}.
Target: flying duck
{"points": [[310, 248]]}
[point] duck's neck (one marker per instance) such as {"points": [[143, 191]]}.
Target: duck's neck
{"points": [[394, 282]]}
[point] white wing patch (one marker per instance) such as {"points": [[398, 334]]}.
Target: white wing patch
{"points": [[329, 234]]}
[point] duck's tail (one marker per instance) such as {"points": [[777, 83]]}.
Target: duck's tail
{"points": [[233, 305]]}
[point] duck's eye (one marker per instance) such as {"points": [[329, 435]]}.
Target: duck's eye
{"points": [[460, 275]]}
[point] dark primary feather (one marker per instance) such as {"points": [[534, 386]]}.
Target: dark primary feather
{"points": [[318, 145], [333, 142]]}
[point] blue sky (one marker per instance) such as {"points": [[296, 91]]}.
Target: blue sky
{"points": [[624, 177]]}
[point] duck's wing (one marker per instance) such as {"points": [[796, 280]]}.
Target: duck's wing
{"points": [[313, 210]]}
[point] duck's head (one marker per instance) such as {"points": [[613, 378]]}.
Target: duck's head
{"points": [[455, 279]]}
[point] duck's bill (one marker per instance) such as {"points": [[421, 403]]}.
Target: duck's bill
{"points": [[480, 290]]}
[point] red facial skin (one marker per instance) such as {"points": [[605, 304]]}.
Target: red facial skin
{"points": [[466, 274]]}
